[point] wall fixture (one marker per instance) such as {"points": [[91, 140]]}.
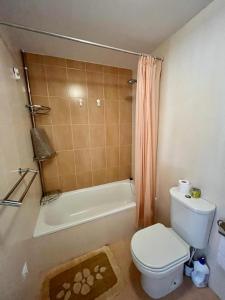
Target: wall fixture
{"points": [[98, 101], [16, 73], [81, 102]]}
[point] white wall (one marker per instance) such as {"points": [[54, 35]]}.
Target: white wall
{"points": [[16, 224], [192, 118]]}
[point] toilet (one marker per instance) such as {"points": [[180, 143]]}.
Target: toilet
{"points": [[159, 252]]}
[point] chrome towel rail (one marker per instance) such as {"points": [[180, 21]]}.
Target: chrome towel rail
{"points": [[17, 203]]}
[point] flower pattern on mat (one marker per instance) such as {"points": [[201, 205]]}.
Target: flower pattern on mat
{"points": [[99, 270], [83, 281], [65, 293]]}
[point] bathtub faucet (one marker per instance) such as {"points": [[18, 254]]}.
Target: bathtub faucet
{"points": [[49, 198]]}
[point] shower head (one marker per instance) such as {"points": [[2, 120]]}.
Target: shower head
{"points": [[132, 81]]}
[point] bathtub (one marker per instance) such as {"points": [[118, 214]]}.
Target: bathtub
{"points": [[85, 205]]}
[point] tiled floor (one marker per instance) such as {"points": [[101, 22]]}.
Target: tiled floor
{"points": [[132, 289]]}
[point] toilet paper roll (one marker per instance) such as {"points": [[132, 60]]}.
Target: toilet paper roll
{"points": [[184, 186]]}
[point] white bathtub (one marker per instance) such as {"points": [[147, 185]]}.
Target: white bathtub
{"points": [[81, 206]]}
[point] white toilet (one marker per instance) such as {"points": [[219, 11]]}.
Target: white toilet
{"points": [[159, 253]]}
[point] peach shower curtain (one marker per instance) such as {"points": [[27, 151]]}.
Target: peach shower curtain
{"points": [[147, 106]]}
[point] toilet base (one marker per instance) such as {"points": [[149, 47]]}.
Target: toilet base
{"points": [[161, 286]]}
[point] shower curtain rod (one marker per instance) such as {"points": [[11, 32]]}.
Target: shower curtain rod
{"points": [[70, 38]]}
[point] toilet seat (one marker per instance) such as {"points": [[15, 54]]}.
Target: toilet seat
{"points": [[158, 248]]}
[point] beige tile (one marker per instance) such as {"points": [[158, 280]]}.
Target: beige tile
{"points": [[55, 61], [67, 183], [124, 172], [75, 64], [79, 114], [112, 111], [52, 184], [125, 134], [125, 155], [83, 180], [31, 58], [80, 136], [82, 160], [50, 168], [97, 133], [77, 86], [57, 82], [42, 119], [98, 158], [38, 84], [60, 111], [66, 164], [96, 113], [99, 177], [112, 135], [112, 157], [111, 86], [94, 67], [62, 135], [126, 111], [95, 85], [112, 174]]}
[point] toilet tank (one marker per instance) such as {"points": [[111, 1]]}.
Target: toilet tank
{"points": [[191, 218]]}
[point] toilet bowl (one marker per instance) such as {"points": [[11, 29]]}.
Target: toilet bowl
{"points": [[159, 254]]}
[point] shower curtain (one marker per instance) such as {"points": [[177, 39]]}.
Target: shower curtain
{"points": [[147, 106]]}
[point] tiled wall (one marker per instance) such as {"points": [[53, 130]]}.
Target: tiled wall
{"points": [[93, 143]]}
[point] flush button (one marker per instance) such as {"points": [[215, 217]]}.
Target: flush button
{"points": [[188, 196]]}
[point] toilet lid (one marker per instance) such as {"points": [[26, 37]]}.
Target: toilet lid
{"points": [[158, 247]]}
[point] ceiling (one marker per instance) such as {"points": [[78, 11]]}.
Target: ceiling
{"points": [[138, 25]]}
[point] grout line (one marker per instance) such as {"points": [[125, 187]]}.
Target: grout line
{"points": [[89, 125]]}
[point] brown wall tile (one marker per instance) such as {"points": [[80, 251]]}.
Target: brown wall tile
{"points": [[95, 85], [125, 134], [112, 135], [112, 111], [54, 61], [112, 156], [112, 174], [94, 67], [66, 164], [99, 177], [62, 136], [81, 137], [75, 64], [97, 133], [57, 81], [84, 180], [98, 158], [96, 113], [37, 78], [77, 86], [60, 111], [111, 86], [52, 184], [67, 183], [93, 143], [82, 160], [79, 114]]}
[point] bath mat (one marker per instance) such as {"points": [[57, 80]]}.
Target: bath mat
{"points": [[91, 276]]}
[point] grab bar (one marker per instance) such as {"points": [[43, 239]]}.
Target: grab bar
{"points": [[17, 203]]}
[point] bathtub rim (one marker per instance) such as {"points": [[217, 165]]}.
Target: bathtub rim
{"points": [[39, 231]]}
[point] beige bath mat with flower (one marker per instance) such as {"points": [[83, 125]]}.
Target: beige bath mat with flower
{"points": [[91, 276]]}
